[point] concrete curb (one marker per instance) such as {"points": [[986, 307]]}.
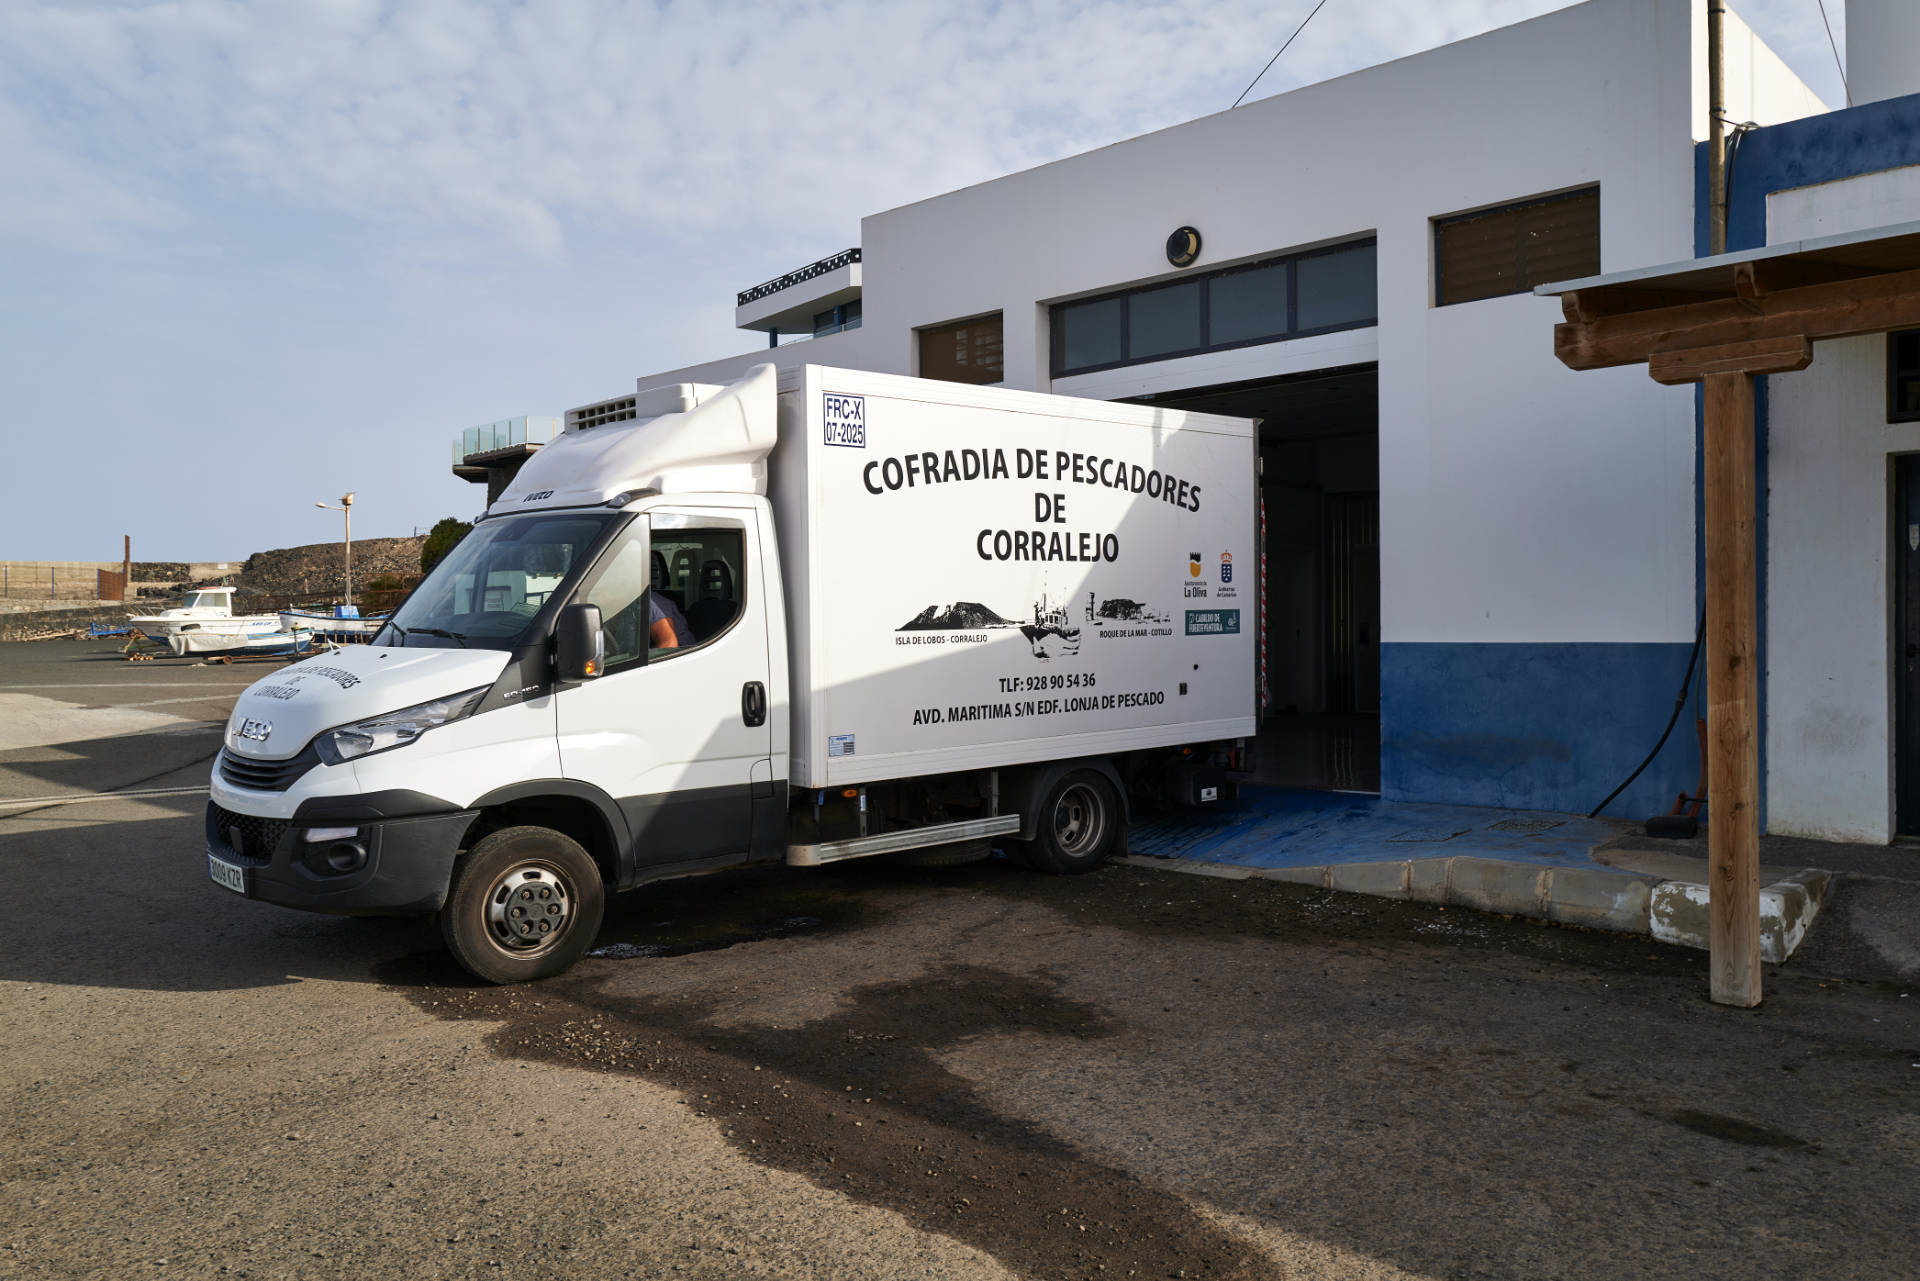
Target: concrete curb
{"points": [[1597, 898], [1787, 908]]}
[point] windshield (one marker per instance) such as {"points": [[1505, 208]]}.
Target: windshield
{"points": [[490, 586]]}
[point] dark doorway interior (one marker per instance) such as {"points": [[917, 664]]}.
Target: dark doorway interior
{"points": [[1320, 483], [1906, 643]]}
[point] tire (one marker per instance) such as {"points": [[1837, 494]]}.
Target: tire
{"points": [[1077, 826], [531, 870]]}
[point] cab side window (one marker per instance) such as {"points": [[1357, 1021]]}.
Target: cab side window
{"points": [[702, 573], [696, 577]]}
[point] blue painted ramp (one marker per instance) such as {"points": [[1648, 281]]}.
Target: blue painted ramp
{"points": [[1284, 827]]}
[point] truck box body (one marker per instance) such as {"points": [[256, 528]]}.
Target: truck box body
{"points": [[978, 577]]}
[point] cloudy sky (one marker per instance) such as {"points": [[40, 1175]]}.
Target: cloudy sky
{"points": [[256, 254]]}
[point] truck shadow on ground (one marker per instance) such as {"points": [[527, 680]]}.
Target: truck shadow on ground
{"points": [[182, 757], [1374, 1076], [859, 1102], [136, 911]]}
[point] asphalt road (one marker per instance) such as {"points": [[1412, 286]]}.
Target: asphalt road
{"points": [[872, 1072]]}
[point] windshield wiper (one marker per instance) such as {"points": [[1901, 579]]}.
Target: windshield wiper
{"points": [[460, 637]]}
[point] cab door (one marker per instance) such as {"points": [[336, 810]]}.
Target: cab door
{"points": [[677, 736]]}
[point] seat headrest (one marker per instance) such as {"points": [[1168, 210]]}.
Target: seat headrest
{"points": [[716, 581]]}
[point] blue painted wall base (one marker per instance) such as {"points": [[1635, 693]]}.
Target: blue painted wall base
{"points": [[1534, 726]]}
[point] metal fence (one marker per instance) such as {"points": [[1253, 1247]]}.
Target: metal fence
{"points": [[60, 582]]}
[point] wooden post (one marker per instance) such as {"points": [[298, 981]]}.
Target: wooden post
{"points": [[1733, 692], [126, 568]]}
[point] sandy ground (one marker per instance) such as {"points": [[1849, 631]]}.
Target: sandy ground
{"points": [[872, 1072]]}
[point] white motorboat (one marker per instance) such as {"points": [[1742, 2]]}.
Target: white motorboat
{"points": [[207, 609], [261, 644], [337, 622]]}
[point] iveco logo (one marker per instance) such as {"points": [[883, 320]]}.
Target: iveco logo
{"points": [[255, 730], [537, 495]]}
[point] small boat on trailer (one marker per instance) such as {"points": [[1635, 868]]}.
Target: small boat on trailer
{"points": [[338, 623], [249, 644]]}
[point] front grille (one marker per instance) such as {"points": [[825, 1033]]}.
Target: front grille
{"points": [[242, 838], [266, 776]]}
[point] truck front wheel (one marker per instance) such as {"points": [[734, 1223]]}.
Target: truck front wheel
{"points": [[525, 903], [1077, 825]]}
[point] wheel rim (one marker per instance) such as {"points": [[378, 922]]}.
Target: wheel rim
{"points": [[530, 908], [1079, 821]]}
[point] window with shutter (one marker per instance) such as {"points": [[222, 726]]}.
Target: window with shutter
{"points": [[968, 351], [1510, 249]]}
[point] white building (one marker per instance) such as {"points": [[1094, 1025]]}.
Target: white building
{"points": [[1481, 565]]}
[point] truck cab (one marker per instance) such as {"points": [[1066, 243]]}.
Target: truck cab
{"points": [[454, 729]]}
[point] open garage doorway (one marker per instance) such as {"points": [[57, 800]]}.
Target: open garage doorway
{"points": [[1320, 482]]}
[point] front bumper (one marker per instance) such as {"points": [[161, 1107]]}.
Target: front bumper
{"points": [[397, 864]]}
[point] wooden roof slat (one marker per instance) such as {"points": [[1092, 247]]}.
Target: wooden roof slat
{"points": [[1839, 309]]}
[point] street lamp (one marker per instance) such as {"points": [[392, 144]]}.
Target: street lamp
{"points": [[346, 509]]}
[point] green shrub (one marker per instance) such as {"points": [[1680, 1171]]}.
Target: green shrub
{"points": [[441, 539]]}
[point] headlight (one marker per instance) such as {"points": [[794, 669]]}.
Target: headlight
{"points": [[394, 729]]}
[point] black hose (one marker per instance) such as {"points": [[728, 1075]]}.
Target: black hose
{"points": [[1679, 702]]}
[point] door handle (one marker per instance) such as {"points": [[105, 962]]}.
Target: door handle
{"points": [[753, 704]]}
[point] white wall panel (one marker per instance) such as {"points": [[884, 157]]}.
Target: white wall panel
{"points": [[1849, 204], [1829, 677]]}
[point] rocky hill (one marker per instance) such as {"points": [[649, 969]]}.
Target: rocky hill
{"points": [[271, 579]]}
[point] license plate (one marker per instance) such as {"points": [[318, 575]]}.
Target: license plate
{"points": [[234, 878]]}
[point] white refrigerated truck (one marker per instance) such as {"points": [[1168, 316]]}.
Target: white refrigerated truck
{"points": [[903, 615]]}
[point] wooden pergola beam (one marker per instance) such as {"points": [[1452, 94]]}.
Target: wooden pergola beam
{"points": [[1584, 306], [1754, 281], [1869, 304], [1761, 356]]}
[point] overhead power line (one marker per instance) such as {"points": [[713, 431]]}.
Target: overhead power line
{"points": [[1276, 57], [1845, 88]]}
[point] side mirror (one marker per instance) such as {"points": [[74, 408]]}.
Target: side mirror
{"points": [[579, 649]]}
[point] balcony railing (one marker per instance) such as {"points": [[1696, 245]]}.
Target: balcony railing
{"points": [[504, 434], [846, 257]]}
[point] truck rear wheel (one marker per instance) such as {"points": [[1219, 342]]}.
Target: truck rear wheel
{"points": [[525, 904], [1076, 826]]}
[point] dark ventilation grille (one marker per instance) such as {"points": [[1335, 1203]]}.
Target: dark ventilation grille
{"points": [[607, 411], [1511, 249], [266, 776], [242, 838], [845, 258]]}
